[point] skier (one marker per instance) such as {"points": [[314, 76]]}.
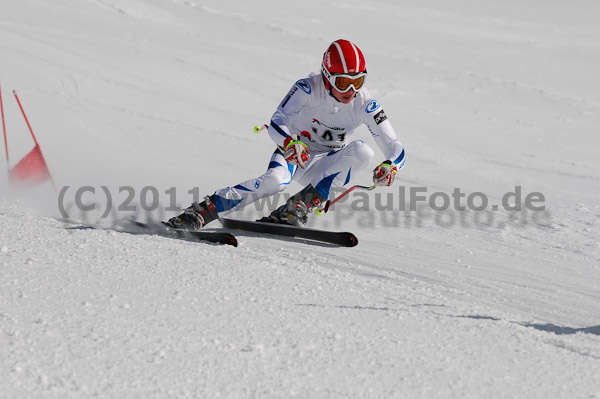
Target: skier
{"points": [[311, 128]]}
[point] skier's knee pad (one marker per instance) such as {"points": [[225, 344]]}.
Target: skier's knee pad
{"points": [[361, 151], [275, 180]]}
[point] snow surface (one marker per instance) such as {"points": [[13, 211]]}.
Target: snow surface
{"points": [[164, 93]]}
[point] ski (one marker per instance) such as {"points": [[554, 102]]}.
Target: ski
{"points": [[208, 236], [344, 239]]}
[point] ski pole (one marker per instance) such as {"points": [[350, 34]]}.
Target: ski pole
{"points": [[328, 203], [258, 129]]}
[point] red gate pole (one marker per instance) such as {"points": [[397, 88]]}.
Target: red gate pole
{"points": [[4, 126], [25, 116], [34, 139]]}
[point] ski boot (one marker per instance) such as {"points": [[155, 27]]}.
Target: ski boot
{"points": [[196, 216], [296, 209]]}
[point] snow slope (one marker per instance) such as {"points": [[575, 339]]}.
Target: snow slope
{"points": [[164, 94]]}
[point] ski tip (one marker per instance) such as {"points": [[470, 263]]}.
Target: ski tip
{"points": [[231, 240], [352, 240]]}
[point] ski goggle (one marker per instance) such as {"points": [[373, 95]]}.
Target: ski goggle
{"points": [[343, 82]]}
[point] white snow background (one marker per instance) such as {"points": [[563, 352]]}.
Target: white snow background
{"points": [[485, 96]]}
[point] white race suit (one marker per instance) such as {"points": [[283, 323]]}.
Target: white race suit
{"points": [[325, 126]]}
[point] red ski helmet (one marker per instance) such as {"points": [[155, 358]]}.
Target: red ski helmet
{"points": [[343, 58]]}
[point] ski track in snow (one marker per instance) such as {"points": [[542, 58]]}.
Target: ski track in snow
{"points": [[222, 319], [485, 97]]}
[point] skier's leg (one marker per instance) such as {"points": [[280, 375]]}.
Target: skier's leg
{"points": [[276, 179], [324, 172], [337, 168], [226, 200]]}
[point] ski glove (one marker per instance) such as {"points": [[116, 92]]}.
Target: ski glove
{"points": [[384, 174], [296, 152]]}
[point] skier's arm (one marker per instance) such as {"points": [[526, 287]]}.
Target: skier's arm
{"points": [[382, 131], [288, 110]]}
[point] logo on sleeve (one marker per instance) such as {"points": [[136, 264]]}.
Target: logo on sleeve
{"points": [[380, 117], [287, 98], [372, 107], [303, 84]]}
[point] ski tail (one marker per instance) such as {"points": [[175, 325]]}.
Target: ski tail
{"points": [[161, 229]]}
